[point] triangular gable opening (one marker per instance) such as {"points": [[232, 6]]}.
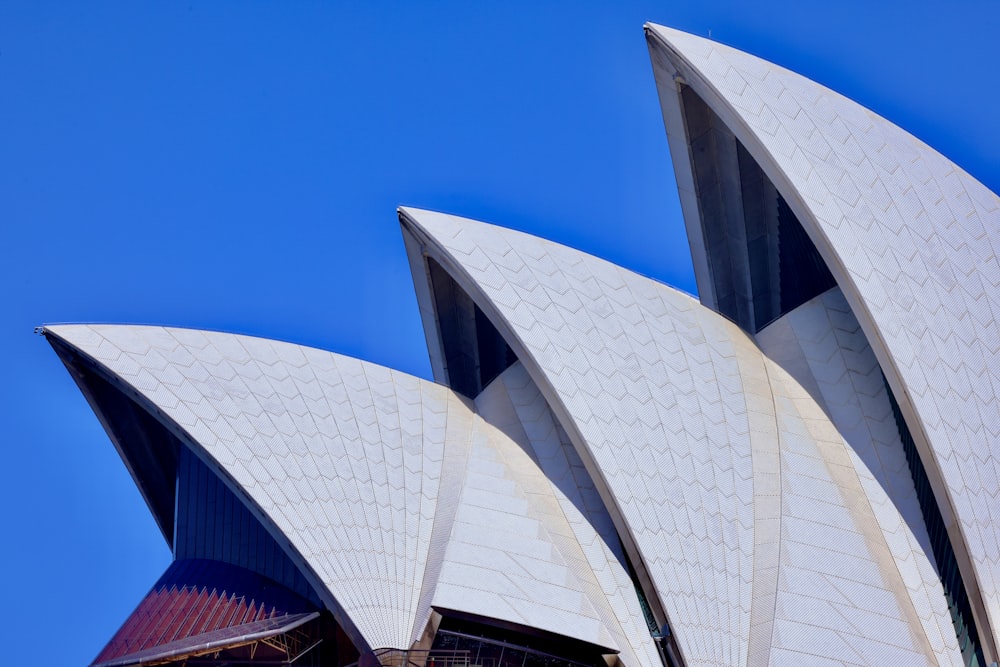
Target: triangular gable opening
{"points": [[475, 353], [761, 261]]}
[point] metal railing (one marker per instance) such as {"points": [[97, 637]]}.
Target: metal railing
{"points": [[390, 657]]}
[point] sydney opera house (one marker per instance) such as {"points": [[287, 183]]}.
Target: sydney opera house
{"points": [[797, 467]]}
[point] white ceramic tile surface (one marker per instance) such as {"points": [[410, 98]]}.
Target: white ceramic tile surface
{"points": [[912, 240], [723, 468]]}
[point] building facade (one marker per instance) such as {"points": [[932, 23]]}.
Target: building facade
{"points": [[799, 468]]}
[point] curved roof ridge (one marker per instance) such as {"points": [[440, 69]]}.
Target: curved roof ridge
{"points": [[911, 239], [675, 413], [821, 345], [275, 415]]}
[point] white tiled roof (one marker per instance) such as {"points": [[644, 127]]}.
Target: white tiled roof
{"points": [[822, 346], [912, 241], [391, 489], [729, 479], [758, 484]]}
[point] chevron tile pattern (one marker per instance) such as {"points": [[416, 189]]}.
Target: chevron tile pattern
{"points": [[822, 346], [719, 463], [398, 493], [576, 517], [344, 457], [643, 371], [753, 490], [915, 243]]}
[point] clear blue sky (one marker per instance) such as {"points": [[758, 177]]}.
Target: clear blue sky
{"points": [[237, 166]]}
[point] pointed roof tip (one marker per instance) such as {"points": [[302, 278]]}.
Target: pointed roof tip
{"points": [[679, 41], [433, 223], [414, 213], [651, 30], [53, 328], [670, 40], [430, 226], [404, 213], [416, 216], [662, 31], [414, 220], [650, 26], [61, 330], [411, 217]]}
